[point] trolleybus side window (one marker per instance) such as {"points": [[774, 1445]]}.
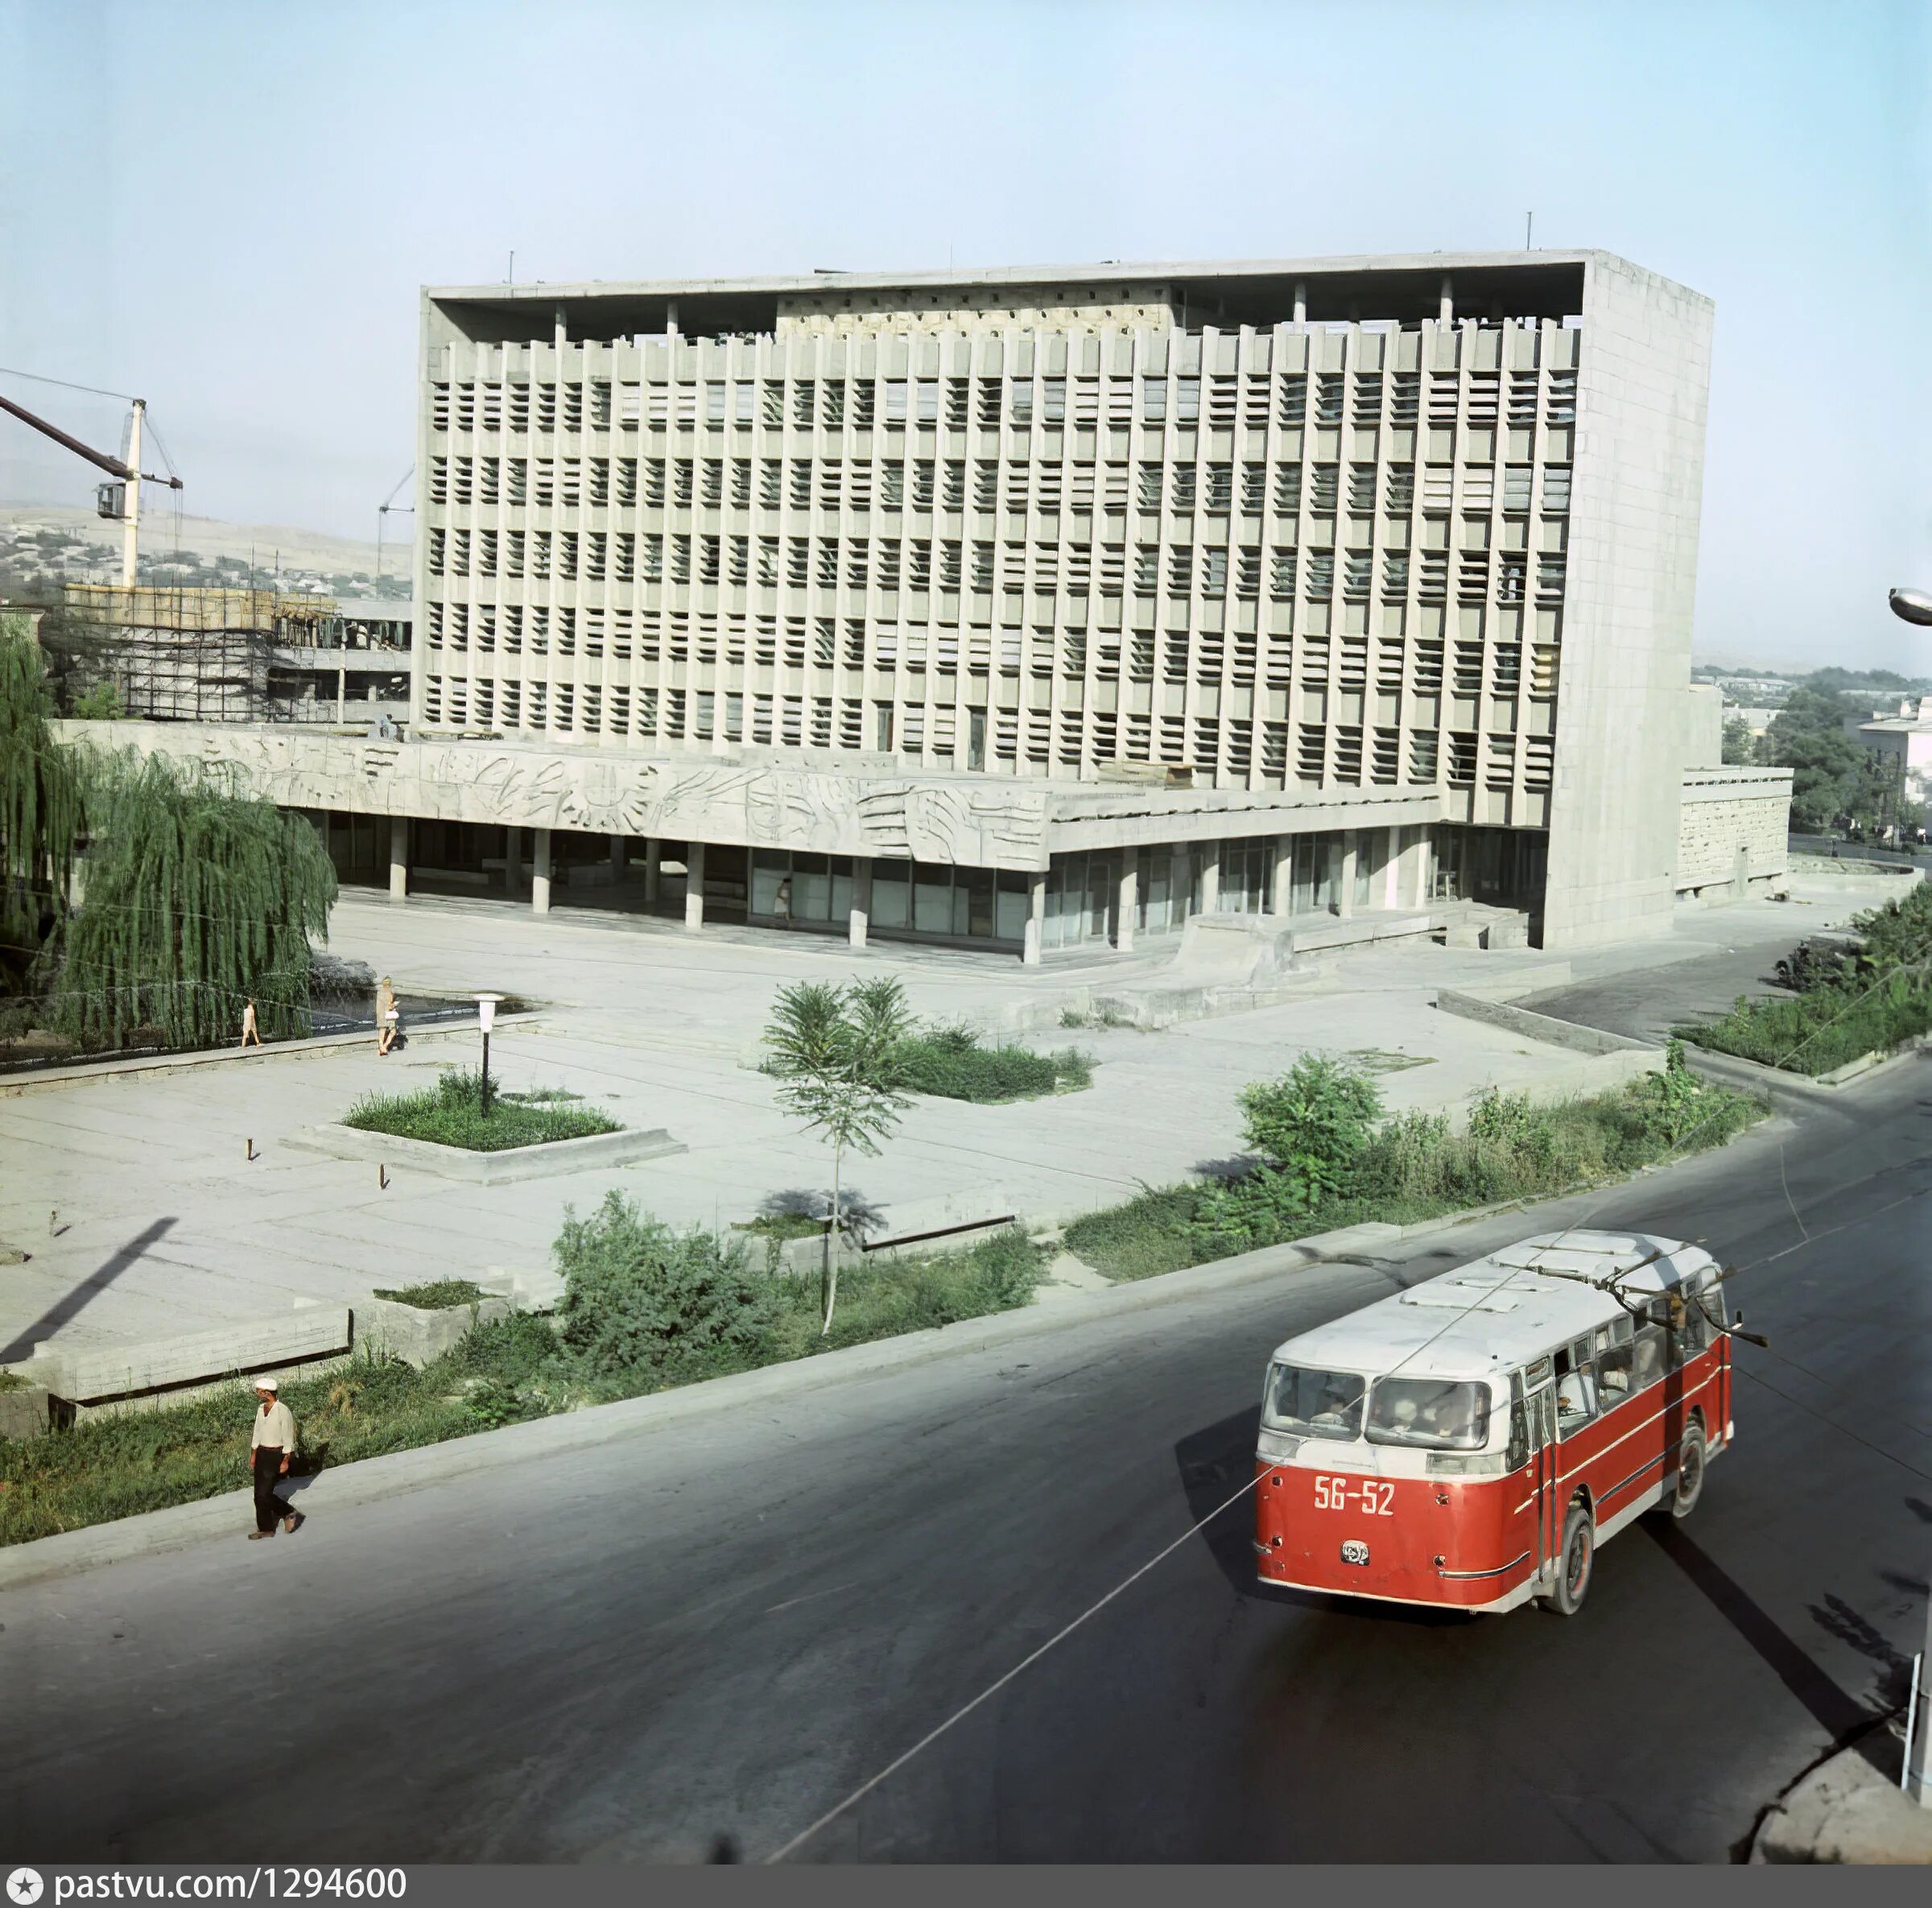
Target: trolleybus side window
{"points": [[1436, 1414], [1575, 1388], [1320, 1404], [1519, 1428], [1656, 1350], [1699, 1309], [1614, 1364]]}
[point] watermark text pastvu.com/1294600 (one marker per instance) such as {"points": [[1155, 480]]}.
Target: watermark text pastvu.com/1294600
{"points": [[27, 1888]]}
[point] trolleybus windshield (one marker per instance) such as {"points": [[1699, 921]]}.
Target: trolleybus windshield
{"points": [[1434, 1414], [1318, 1404]]}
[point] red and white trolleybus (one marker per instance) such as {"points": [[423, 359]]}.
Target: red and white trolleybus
{"points": [[1470, 1442]]}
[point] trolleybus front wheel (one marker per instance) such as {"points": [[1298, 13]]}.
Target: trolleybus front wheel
{"points": [[1575, 1562]]}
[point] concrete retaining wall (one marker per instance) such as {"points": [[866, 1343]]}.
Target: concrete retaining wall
{"points": [[109, 1373], [1544, 1027]]}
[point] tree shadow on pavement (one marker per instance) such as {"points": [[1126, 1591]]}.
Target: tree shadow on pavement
{"points": [[65, 1309]]}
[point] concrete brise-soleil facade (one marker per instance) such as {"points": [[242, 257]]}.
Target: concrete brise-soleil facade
{"points": [[1042, 609]]}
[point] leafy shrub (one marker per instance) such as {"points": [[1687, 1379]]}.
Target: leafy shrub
{"points": [[1311, 1126], [643, 1303]]}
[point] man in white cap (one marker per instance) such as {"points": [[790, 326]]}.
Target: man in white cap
{"points": [[270, 1446]]}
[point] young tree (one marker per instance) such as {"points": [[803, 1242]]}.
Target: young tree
{"points": [[835, 1053]]}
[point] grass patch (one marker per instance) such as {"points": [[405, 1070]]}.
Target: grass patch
{"points": [[1847, 1001], [1414, 1168], [450, 1114], [1812, 1032], [950, 1063], [440, 1294], [648, 1309], [12, 1380]]}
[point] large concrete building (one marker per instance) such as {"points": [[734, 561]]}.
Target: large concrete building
{"points": [[1043, 609]]}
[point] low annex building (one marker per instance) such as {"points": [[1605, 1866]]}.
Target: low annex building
{"points": [[1041, 610]]}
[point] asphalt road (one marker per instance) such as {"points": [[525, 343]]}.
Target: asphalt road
{"points": [[723, 1627], [1647, 1003]]}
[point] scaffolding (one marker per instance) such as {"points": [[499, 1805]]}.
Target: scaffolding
{"points": [[179, 655]]}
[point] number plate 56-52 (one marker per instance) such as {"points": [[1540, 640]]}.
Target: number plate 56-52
{"points": [[1370, 1496]]}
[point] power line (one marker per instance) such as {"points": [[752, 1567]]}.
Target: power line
{"points": [[93, 390]]}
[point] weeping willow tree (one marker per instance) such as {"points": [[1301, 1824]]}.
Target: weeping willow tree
{"points": [[197, 901], [41, 811]]}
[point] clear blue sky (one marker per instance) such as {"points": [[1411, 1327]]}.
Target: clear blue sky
{"points": [[229, 209]]}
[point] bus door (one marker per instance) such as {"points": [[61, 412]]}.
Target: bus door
{"points": [[1540, 1411]]}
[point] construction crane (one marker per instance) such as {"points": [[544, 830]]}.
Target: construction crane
{"points": [[382, 511], [120, 501]]}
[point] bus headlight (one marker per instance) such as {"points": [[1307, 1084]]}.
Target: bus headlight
{"points": [[1481, 1464]]}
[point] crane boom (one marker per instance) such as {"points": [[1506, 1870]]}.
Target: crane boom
{"points": [[112, 465]]}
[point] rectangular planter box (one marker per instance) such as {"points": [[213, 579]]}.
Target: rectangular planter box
{"points": [[551, 1161]]}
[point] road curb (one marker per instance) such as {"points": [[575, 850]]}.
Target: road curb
{"points": [[369, 1480], [1849, 1809]]}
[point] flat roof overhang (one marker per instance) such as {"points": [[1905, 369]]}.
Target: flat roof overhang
{"points": [[1395, 287]]}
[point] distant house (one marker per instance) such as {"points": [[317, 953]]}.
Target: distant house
{"points": [[1900, 734]]}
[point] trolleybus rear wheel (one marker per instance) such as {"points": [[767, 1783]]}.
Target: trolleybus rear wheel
{"points": [[1575, 1562], [1689, 1471]]}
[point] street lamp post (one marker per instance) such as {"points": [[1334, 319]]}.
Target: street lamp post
{"points": [[486, 1018], [1915, 606]]}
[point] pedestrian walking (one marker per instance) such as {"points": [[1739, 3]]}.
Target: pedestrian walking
{"points": [[385, 1013], [271, 1445], [250, 1032], [781, 905]]}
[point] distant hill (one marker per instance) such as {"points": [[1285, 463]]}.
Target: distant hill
{"points": [[43, 545]]}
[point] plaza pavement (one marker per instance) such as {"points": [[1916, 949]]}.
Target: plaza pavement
{"points": [[145, 1218]]}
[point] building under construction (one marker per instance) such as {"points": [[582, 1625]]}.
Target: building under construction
{"points": [[180, 654]]}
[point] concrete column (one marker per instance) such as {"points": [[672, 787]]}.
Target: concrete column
{"points": [[619, 860], [1281, 875], [512, 861], [341, 692], [539, 872], [1301, 301], [859, 915], [652, 854], [1036, 918], [1344, 886], [1178, 875], [1413, 888], [1211, 879], [1446, 308], [398, 857], [694, 886], [1392, 870], [1127, 901]]}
